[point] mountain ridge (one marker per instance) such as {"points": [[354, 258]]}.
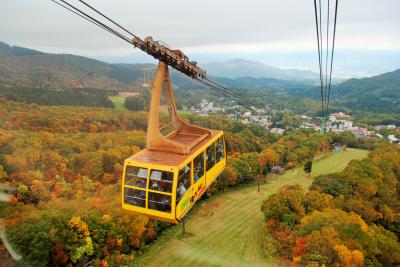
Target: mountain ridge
{"points": [[236, 68], [27, 67]]}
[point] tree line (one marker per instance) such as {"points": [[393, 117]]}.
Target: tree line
{"points": [[72, 97]]}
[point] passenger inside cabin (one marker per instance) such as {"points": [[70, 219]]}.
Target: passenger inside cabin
{"points": [[197, 171], [155, 186], [181, 191], [142, 194], [141, 184]]}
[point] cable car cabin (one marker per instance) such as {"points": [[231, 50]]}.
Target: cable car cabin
{"points": [[165, 185], [164, 180]]}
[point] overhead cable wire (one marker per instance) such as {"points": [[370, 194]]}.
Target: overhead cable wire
{"points": [[112, 21], [91, 19], [326, 63], [325, 83], [208, 83], [319, 55], [235, 94], [241, 101], [333, 49], [227, 92]]}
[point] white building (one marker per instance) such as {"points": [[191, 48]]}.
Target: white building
{"points": [[393, 139], [262, 120], [277, 131], [247, 114]]}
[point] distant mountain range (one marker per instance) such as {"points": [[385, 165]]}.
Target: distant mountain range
{"points": [[34, 69], [237, 68], [26, 67]]}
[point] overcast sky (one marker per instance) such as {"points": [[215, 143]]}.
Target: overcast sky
{"points": [[209, 29]]}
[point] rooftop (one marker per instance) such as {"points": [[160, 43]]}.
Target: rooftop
{"points": [[170, 158]]}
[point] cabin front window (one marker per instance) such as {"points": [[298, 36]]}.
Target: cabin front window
{"points": [[135, 176], [135, 197], [161, 181], [159, 202], [183, 182]]}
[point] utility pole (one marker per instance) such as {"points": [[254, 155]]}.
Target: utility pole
{"points": [[258, 179], [183, 227]]}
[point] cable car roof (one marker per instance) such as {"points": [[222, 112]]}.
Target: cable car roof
{"points": [[169, 158]]}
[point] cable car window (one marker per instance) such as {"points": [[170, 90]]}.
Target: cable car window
{"points": [[159, 202], [219, 149], [161, 181], [136, 176], [183, 182], [135, 197], [210, 156], [198, 165]]}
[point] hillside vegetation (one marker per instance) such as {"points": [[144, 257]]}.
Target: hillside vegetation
{"points": [[376, 98], [66, 165], [377, 94], [350, 218], [51, 97], [25, 67]]}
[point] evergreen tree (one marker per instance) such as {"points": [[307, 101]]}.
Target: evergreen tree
{"points": [[308, 167]]}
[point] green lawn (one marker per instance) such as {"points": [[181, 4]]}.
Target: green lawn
{"points": [[118, 102], [225, 230]]}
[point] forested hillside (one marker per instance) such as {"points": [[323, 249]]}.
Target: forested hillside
{"points": [[72, 97], [351, 218], [379, 94], [30, 68], [22, 67], [66, 165]]}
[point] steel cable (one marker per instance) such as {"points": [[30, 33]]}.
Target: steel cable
{"points": [[206, 82]]}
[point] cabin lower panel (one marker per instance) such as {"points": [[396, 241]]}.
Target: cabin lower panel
{"points": [[152, 214]]}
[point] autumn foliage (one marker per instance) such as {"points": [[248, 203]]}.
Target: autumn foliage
{"points": [[349, 218]]}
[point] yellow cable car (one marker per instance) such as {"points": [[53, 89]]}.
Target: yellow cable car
{"points": [[164, 180]]}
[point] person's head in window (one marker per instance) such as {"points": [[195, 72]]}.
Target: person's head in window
{"points": [[155, 186], [182, 189], [141, 184]]}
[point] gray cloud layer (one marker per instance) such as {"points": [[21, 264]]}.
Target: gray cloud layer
{"points": [[201, 27], [207, 25]]}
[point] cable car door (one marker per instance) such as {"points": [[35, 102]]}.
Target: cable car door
{"points": [[199, 177], [184, 191]]}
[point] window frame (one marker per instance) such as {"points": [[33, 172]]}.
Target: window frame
{"points": [[147, 189]]}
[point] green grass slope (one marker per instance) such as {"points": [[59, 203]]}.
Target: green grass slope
{"points": [[225, 231], [118, 102]]}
